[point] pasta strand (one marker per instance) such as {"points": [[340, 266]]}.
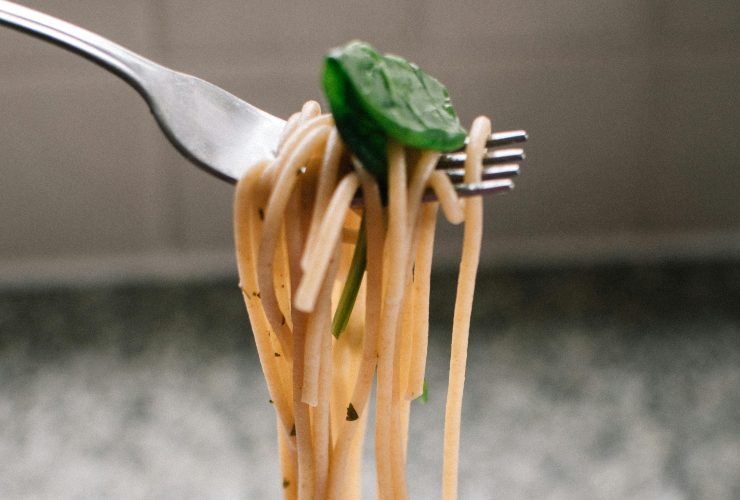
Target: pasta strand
{"points": [[473, 233]]}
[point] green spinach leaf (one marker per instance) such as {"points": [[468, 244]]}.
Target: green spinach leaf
{"points": [[373, 97]]}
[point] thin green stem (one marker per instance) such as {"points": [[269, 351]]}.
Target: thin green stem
{"points": [[352, 284]]}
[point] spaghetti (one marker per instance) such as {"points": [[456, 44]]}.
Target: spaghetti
{"points": [[294, 228]]}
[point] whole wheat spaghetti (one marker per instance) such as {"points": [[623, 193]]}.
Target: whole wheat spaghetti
{"points": [[295, 227]]}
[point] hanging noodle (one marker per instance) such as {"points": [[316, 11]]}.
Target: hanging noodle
{"points": [[295, 228]]}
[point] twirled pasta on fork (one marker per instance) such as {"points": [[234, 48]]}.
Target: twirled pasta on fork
{"points": [[312, 263]]}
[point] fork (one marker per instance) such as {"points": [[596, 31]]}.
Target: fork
{"points": [[215, 130]]}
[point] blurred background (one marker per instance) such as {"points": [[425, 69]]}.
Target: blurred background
{"points": [[605, 350]]}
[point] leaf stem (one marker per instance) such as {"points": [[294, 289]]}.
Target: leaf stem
{"points": [[352, 284]]}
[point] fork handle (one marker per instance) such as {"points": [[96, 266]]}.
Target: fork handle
{"points": [[111, 56]]}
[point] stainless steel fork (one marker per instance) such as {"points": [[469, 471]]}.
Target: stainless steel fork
{"points": [[217, 131]]}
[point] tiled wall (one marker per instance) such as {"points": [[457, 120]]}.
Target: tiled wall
{"points": [[633, 108]]}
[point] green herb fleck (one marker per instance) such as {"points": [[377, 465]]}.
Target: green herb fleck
{"points": [[424, 393], [286, 483]]}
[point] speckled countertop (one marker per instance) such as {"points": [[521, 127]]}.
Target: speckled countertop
{"points": [[610, 382]]}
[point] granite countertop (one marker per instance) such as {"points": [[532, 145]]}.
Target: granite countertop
{"points": [[583, 383]]}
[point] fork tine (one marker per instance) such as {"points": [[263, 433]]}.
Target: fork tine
{"points": [[464, 190], [493, 157], [484, 187], [504, 138], [476, 188], [489, 172]]}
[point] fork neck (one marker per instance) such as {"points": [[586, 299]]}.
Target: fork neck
{"points": [[107, 54]]}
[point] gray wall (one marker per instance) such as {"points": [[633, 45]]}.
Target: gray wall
{"points": [[632, 107]]}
